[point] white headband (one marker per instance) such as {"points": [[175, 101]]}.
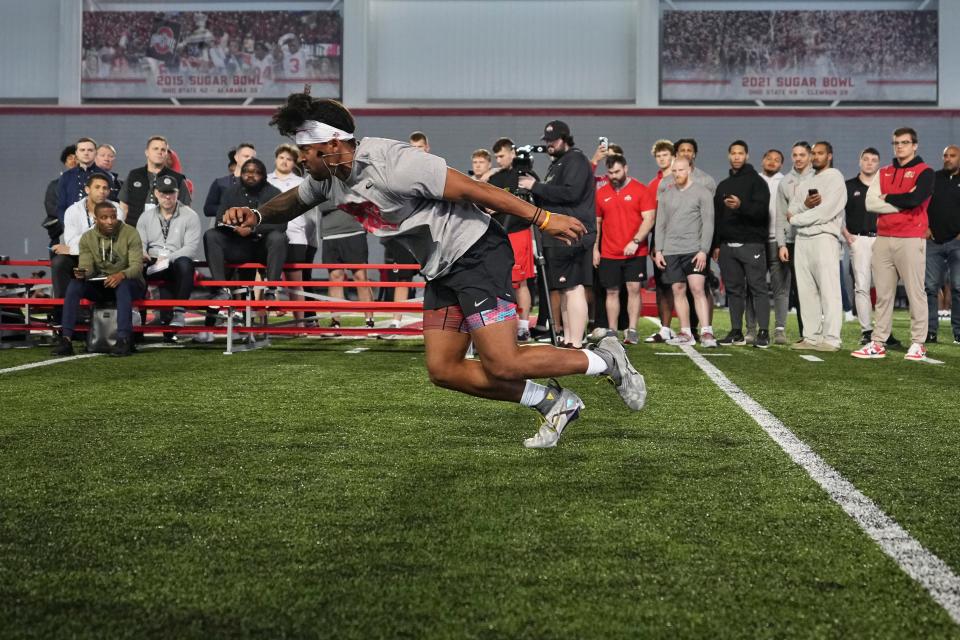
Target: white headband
{"points": [[312, 131]]}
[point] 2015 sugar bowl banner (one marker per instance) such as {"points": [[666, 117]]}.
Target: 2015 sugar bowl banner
{"points": [[862, 56], [210, 54]]}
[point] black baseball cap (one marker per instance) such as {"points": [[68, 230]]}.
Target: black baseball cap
{"points": [[166, 184], [555, 130]]}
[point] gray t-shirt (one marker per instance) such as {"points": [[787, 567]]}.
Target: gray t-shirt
{"points": [[395, 191], [684, 220]]}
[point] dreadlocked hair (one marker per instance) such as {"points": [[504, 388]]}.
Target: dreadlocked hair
{"points": [[300, 107]]}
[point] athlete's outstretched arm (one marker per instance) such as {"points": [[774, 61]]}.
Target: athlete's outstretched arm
{"points": [[282, 208], [461, 187]]}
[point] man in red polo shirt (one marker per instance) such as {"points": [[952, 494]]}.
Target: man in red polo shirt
{"points": [[626, 211]]}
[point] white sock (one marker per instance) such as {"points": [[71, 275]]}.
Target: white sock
{"points": [[706, 329], [685, 330], [665, 331], [595, 364], [533, 394], [523, 324]]}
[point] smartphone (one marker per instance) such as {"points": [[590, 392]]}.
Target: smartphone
{"points": [[812, 192], [604, 142]]}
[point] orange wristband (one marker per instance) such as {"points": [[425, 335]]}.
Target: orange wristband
{"points": [[546, 219]]}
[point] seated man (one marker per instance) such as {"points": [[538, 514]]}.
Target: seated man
{"points": [[265, 243], [170, 232], [77, 219], [110, 267]]}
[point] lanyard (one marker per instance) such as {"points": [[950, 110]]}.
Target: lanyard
{"points": [[165, 224]]}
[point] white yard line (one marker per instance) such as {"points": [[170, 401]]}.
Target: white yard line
{"points": [[44, 363], [932, 573], [810, 358]]}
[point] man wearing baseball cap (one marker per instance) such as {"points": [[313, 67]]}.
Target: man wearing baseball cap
{"points": [[567, 188], [171, 236]]}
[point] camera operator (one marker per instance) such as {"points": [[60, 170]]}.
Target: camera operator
{"points": [[507, 177], [567, 188]]}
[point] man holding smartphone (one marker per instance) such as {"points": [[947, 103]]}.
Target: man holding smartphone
{"points": [[816, 215]]}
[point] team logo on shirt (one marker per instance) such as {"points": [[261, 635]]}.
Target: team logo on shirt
{"points": [[367, 214], [908, 174], [628, 198], [856, 193]]}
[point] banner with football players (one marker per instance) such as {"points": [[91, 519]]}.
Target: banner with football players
{"points": [[799, 56], [210, 54]]}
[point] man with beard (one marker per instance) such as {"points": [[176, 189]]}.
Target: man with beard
{"points": [[779, 272], [626, 212], [943, 242], [790, 186], [741, 206], [684, 233], [816, 213], [110, 252], [568, 188], [264, 243], [437, 213]]}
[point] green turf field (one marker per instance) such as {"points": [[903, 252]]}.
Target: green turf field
{"points": [[303, 491]]}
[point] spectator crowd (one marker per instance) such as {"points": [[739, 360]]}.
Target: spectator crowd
{"points": [[744, 42], [784, 233]]}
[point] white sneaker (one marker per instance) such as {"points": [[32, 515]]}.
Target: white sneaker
{"points": [[564, 410], [682, 339], [205, 337], [916, 352], [848, 316]]}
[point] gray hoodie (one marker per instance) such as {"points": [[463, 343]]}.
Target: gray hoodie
{"points": [[789, 187]]}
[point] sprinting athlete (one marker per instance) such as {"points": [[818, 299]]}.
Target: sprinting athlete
{"points": [[435, 212]]}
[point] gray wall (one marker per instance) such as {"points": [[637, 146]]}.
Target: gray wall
{"points": [[33, 140]]}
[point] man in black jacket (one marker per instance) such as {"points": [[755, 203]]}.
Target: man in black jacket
{"points": [[740, 235], [264, 243], [943, 242], [568, 188], [53, 224], [139, 189]]}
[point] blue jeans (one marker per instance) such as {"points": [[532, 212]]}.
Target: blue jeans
{"points": [[940, 258], [125, 293]]}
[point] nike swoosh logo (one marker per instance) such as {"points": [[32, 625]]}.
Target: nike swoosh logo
{"points": [[477, 304], [756, 257], [607, 199]]}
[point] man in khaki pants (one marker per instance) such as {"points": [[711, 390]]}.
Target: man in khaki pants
{"points": [[899, 194], [816, 213]]}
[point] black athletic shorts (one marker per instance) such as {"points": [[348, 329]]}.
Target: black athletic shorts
{"points": [[478, 279], [348, 250], [614, 273], [658, 278], [568, 267], [301, 253], [394, 253], [679, 267]]}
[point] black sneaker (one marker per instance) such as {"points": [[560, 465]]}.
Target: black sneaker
{"points": [[762, 341], [866, 338], [893, 342], [734, 338], [64, 347], [931, 338], [124, 347]]}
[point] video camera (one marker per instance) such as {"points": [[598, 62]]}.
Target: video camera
{"points": [[523, 162]]}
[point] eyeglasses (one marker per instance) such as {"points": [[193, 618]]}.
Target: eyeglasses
{"points": [[902, 143]]}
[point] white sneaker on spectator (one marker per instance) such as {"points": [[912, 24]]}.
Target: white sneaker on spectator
{"points": [[204, 337], [682, 339], [916, 352], [179, 318]]}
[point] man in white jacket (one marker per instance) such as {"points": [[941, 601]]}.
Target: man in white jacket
{"points": [[816, 214]]}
